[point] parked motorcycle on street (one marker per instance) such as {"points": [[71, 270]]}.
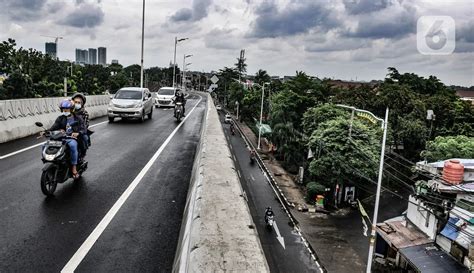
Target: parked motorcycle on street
{"points": [[56, 160]]}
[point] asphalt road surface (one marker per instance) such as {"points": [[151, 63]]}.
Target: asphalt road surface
{"points": [[289, 256], [39, 234]]}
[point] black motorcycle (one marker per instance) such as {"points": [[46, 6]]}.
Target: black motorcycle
{"points": [[56, 159], [178, 111], [252, 158]]}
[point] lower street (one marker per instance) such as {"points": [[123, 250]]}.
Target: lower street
{"points": [[286, 254]]}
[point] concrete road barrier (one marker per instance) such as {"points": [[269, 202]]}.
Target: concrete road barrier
{"points": [[18, 117], [217, 233]]}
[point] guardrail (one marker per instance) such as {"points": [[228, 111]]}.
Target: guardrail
{"points": [[17, 117], [217, 232], [281, 197]]}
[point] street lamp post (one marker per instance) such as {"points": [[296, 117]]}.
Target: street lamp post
{"points": [[176, 41], [237, 104], [143, 38], [261, 115], [379, 180], [184, 64], [377, 197]]}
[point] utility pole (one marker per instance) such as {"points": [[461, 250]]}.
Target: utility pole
{"points": [[143, 38], [261, 116], [176, 41], [377, 197], [379, 179], [65, 86]]}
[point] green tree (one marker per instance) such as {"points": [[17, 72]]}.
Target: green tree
{"points": [[262, 76], [338, 156], [443, 148]]}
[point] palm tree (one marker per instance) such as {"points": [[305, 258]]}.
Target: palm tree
{"points": [[262, 76]]}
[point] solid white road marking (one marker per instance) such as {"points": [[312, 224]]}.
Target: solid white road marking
{"points": [[38, 144], [279, 237], [90, 241]]}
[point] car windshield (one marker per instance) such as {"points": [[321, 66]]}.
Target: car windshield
{"points": [[128, 95], [166, 92]]}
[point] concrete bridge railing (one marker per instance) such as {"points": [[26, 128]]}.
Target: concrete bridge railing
{"points": [[217, 233], [18, 117]]}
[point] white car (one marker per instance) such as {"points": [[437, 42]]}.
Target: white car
{"points": [[165, 96], [130, 102], [228, 118], [218, 107]]}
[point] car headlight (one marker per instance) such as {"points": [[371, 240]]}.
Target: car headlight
{"points": [[137, 105]]}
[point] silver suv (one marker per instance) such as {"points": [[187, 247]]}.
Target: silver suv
{"points": [[131, 103]]}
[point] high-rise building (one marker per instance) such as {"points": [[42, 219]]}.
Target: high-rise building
{"points": [[92, 56], [82, 56], [51, 50], [85, 56], [115, 62], [102, 56], [78, 55]]}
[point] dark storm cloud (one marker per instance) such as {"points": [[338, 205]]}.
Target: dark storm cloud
{"points": [[296, 18], [465, 32], [84, 16], [200, 10], [22, 10], [365, 6], [182, 15], [465, 37], [393, 23]]}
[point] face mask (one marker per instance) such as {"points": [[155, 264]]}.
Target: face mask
{"points": [[66, 114], [77, 106]]}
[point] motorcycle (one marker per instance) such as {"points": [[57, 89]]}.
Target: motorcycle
{"points": [[56, 160], [178, 111], [232, 130], [252, 158], [269, 221]]}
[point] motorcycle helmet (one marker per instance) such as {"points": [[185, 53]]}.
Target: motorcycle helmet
{"points": [[80, 95], [66, 104]]}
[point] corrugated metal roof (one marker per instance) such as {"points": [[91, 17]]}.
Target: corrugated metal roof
{"points": [[430, 259]]}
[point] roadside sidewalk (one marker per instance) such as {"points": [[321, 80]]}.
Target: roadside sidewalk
{"points": [[335, 249]]}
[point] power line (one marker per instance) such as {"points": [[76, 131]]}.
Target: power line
{"points": [[411, 202], [398, 180]]}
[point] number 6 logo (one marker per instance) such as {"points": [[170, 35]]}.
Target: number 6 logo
{"points": [[436, 35]]}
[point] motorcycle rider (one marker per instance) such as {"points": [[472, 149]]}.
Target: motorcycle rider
{"points": [[252, 155], [180, 98], [232, 128], [268, 213], [72, 125], [80, 110]]}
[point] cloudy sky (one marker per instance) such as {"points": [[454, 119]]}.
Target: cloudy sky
{"points": [[343, 39]]}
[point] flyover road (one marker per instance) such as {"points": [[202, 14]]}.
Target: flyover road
{"points": [[135, 187], [284, 253]]}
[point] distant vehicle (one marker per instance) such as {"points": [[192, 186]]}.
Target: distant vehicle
{"points": [[218, 107], [131, 103], [165, 96], [228, 118]]}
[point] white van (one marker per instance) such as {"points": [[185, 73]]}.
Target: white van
{"points": [[165, 96]]}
